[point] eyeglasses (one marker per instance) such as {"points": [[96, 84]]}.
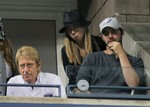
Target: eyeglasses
{"points": [[29, 65], [112, 31]]}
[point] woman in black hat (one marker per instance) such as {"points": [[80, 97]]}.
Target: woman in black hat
{"points": [[78, 42]]}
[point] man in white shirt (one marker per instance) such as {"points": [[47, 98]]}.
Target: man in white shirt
{"points": [[29, 65]]}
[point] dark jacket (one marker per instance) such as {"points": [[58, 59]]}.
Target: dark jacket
{"points": [[72, 75]]}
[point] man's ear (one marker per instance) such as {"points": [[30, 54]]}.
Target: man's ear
{"points": [[101, 36], [39, 65]]}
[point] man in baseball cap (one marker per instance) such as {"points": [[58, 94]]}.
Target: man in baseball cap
{"points": [[113, 66], [111, 26]]}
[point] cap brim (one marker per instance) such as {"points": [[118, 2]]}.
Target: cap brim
{"points": [[113, 27]]}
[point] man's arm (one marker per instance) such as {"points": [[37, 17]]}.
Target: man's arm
{"points": [[130, 75]]}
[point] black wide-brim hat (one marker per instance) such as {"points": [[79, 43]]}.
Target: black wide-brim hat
{"points": [[73, 18]]}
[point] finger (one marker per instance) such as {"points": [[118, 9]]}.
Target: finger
{"points": [[110, 47]]}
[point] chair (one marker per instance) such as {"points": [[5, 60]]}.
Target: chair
{"points": [[72, 71]]}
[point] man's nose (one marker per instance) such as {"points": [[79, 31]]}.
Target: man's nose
{"points": [[26, 68], [25, 72], [72, 31]]}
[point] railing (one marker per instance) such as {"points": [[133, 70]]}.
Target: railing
{"points": [[131, 96]]}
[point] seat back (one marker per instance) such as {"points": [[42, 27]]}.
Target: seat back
{"points": [[72, 70]]}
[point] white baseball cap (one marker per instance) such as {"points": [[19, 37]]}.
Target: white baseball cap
{"points": [[109, 22]]}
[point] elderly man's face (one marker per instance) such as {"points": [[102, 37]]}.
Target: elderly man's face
{"points": [[29, 69]]}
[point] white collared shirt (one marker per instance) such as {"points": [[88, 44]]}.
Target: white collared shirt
{"points": [[43, 78]]}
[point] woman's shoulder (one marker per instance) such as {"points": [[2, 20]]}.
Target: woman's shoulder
{"points": [[101, 44], [63, 49], [95, 37]]}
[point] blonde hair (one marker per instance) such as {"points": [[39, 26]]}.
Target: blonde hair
{"points": [[72, 50], [29, 52]]}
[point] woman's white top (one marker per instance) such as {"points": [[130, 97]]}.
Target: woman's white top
{"points": [[8, 71]]}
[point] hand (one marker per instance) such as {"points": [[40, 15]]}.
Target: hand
{"points": [[116, 47]]}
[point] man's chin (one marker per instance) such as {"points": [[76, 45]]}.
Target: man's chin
{"points": [[27, 80]]}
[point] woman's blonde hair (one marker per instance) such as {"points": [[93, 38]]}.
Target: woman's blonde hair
{"points": [[72, 50], [28, 52]]}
